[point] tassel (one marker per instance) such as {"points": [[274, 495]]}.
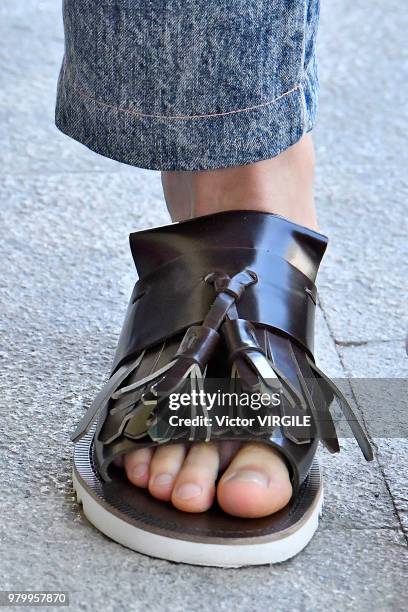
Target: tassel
{"points": [[149, 396], [265, 361], [103, 397], [191, 358], [290, 360], [258, 373], [188, 379], [126, 401], [184, 373], [318, 405], [330, 390]]}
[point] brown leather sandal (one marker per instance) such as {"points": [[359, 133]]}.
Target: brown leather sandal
{"points": [[224, 297]]}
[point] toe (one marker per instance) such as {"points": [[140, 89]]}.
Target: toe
{"points": [[256, 483], [194, 488], [137, 466], [227, 449], [164, 468]]}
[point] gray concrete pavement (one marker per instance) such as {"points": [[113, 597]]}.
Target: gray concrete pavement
{"points": [[66, 277]]}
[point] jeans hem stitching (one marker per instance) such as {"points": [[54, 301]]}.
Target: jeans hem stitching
{"points": [[130, 111]]}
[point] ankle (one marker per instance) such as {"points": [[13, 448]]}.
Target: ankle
{"points": [[282, 185]]}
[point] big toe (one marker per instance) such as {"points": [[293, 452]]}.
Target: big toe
{"points": [[256, 483]]}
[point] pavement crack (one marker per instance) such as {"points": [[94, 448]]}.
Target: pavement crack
{"points": [[348, 343], [376, 457], [351, 342]]}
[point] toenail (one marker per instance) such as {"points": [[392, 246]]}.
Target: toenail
{"points": [[250, 476], [140, 470], [188, 491], [163, 479]]}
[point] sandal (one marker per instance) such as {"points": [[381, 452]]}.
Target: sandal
{"points": [[229, 297]]}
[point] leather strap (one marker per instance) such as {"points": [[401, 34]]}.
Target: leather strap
{"points": [[250, 229], [177, 295]]}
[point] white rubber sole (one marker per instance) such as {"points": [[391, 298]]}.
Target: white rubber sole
{"points": [[282, 547]]}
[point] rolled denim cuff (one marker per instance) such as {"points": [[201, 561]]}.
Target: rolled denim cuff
{"points": [[157, 122]]}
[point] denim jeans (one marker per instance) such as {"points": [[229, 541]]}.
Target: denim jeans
{"points": [[188, 84]]}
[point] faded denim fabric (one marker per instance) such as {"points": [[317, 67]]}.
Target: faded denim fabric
{"points": [[188, 84]]}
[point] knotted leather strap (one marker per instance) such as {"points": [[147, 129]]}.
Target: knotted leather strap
{"points": [[176, 296]]}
